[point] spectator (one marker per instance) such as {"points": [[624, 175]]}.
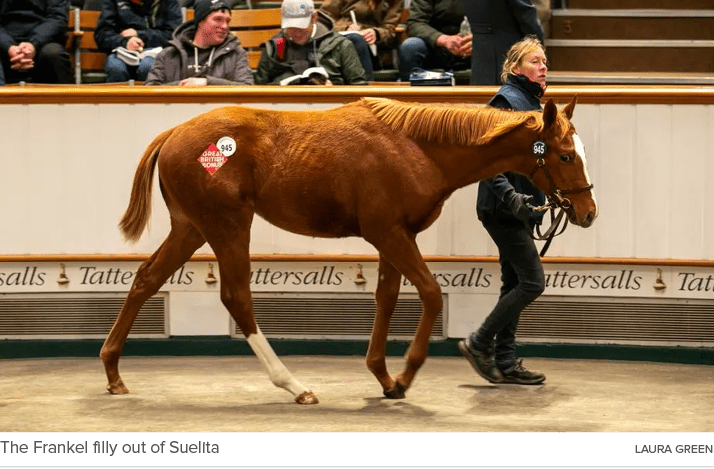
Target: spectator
{"points": [[434, 41], [32, 38], [545, 13], [308, 40], [497, 25], [2, 75], [136, 25], [203, 51], [375, 26], [506, 208]]}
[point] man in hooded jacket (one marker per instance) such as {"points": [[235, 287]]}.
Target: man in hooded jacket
{"points": [[203, 51]]}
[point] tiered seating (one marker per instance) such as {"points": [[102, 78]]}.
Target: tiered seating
{"points": [[633, 41]]}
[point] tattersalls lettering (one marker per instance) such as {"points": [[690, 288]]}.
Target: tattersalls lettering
{"points": [[325, 276], [694, 282], [29, 276], [474, 278], [116, 276], [625, 280], [111, 276]]}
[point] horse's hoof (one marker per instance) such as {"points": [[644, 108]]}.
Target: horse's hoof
{"points": [[397, 392], [117, 388], [307, 398]]}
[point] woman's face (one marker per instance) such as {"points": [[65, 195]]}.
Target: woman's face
{"points": [[533, 66]]}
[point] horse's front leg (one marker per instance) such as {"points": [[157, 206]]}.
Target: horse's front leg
{"points": [[400, 249], [386, 297]]}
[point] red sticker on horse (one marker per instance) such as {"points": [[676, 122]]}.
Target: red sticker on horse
{"points": [[212, 159]]}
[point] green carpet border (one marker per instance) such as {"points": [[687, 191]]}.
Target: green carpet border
{"points": [[224, 345]]}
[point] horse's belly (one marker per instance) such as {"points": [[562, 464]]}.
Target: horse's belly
{"points": [[326, 220]]}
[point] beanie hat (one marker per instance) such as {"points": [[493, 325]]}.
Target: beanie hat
{"points": [[203, 8]]}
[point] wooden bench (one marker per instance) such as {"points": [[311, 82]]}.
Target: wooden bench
{"points": [[87, 60]]}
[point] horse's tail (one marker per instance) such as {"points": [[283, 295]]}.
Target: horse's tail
{"points": [[138, 212]]}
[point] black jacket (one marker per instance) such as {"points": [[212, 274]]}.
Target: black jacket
{"points": [[519, 94], [496, 25], [429, 19], [155, 24], [37, 21]]}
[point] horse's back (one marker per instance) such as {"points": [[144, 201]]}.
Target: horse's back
{"points": [[310, 172]]}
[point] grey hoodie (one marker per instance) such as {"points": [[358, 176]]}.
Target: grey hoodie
{"points": [[225, 64]]}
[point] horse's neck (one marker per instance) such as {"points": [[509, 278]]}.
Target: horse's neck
{"points": [[462, 166]]}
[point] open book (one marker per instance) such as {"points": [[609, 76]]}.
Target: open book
{"points": [[311, 76], [132, 57]]}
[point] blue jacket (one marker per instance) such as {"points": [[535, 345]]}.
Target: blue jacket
{"points": [[519, 94], [154, 21]]}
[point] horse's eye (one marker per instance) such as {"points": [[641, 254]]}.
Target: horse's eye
{"points": [[566, 158]]}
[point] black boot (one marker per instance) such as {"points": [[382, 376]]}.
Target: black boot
{"points": [[517, 374], [483, 361]]}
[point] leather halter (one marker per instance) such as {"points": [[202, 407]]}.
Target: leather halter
{"points": [[555, 199]]}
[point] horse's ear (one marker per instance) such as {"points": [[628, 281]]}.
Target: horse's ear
{"points": [[550, 114], [568, 109]]}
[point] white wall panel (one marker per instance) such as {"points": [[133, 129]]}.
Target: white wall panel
{"points": [[615, 225], [68, 171], [651, 181], [687, 163], [707, 206]]}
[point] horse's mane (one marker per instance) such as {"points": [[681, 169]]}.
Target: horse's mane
{"points": [[460, 124]]}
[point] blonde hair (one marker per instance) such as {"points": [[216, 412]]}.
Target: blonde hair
{"points": [[517, 52]]}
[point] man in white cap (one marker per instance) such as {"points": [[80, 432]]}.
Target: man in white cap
{"points": [[308, 40], [203, 51]]}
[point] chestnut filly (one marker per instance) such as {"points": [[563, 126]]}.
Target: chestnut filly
{"points": [[376, 168]]}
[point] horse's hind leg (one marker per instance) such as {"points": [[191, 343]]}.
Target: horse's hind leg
{"points": [[176, 249], [386, 297], [231, 246]]}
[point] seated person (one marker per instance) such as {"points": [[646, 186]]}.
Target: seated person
{"points": [[203, 51], [308, 40], [433, 38], [136, 25], [376, 23], [32, 38]]}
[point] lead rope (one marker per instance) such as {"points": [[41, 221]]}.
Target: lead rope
{"points": [[554, 229]]}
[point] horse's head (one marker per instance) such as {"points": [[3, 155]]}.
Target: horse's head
{"points": [[560, 167]]}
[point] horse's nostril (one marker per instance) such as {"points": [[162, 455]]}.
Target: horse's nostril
{"points": [[590, 219]]}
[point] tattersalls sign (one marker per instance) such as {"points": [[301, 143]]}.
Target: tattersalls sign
{"points": [[453, 277]]}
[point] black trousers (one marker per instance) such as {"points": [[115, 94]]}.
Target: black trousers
{"points": [[52, 65], [522, 281]]}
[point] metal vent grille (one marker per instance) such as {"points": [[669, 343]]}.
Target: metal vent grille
{"points": [[619, 320], [342, 316], [75, 316]]}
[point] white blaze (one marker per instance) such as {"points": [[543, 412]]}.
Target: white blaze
{"points": [[580, 150]]}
